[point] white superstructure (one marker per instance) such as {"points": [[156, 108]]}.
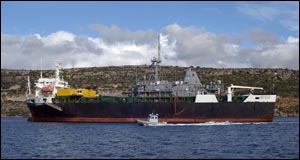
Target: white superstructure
{"points": [[46, 88], [251, 97], [260, 98], [206, 98], [211, 98]]}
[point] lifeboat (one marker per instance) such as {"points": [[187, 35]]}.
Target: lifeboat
{"points": [[47, 89]]}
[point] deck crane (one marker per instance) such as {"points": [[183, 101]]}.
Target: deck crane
{"points": [[231, 87]]}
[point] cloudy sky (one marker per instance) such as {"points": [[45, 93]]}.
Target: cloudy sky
{"points": [[205, 34]]}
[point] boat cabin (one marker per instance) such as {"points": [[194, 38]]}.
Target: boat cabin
{"points": [[152, 118]]}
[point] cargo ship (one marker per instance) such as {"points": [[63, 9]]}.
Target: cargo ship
{"points": [[186, 101]]}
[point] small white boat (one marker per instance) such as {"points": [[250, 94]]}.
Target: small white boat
{"points": [[152, 120]]}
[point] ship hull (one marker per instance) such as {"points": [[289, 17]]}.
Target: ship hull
{"points": [[169, 112]]}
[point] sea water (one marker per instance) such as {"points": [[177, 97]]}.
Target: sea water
{"points": [[23, 139]]}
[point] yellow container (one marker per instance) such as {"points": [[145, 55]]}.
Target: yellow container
{"points": [[65, 92], [76, 92], [86, 92]]}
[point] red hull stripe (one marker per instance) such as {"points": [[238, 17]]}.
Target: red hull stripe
{"points": [[126, 120]]}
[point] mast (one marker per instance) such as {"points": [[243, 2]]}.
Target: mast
{"points": [[57, 66], [41, 68], [158, 47], [29, 90], [157, 60]]}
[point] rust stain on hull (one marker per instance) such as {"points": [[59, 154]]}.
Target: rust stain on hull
{"points": [[128, 120]]}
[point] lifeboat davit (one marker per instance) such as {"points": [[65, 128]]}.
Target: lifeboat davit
{"points": [[47, 89]]}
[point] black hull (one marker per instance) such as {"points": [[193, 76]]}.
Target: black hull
{"points": [[129, 112]]}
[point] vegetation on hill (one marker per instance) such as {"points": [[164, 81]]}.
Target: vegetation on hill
{"points": [[120, 79]]}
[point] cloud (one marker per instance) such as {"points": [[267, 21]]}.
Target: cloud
{"points": [[286, 13], [115, 34], [199, 47], [181, 46], [283, 55], [292, 40], [57, 38], [72, 50], [260, 36]]}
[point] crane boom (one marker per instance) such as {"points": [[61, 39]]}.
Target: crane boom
{"points": [[245, 87], [230, 90]]}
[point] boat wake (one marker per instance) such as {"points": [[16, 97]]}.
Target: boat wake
{"points": [[209, 124], [212, 123]]}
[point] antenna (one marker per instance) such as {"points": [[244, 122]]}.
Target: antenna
{"points": [[29, 90], [156, 60], [41, 67], [57, 66], [158, 47]]}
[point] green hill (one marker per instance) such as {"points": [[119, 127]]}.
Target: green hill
{"points": [[120, 79]]}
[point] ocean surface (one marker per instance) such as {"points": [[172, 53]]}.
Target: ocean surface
{"points": [[23, 139]]}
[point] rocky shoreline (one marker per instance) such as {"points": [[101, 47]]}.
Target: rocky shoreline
{"points": [[120, 79]]}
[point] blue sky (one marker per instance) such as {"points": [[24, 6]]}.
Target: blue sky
{"points": [[279, 20], [23, 18]]}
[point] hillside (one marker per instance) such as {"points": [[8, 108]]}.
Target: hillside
{"points": [[120, 79]]}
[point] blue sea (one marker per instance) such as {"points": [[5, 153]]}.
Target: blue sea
{"points": [[23, 139]]}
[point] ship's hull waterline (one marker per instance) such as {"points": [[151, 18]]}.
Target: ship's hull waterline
{"points": [[129, 112]]}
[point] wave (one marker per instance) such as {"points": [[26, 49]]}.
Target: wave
{"points": [[212, 123]]}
